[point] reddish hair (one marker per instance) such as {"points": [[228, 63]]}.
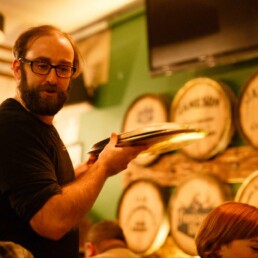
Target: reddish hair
{"points": [[224, 224]]}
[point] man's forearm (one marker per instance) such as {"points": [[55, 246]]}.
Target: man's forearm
{"points": [[63, 211]]}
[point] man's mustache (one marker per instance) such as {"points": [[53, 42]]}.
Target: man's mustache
{"points": [[50, 88]]}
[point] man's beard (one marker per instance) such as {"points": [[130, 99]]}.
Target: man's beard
{"points": [[38, 104]]}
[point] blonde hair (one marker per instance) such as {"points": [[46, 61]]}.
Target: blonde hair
{"points": [[227, 222], [13, 250]]}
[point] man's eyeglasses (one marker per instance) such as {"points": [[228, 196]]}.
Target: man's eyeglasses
{"points": [[44, 68]]}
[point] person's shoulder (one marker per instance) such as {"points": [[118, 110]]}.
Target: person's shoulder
{"points": [[13, 113], [9, 104], [11, 110], [118, 253]]}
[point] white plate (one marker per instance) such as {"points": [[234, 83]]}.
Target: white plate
{"points": [[162, 137]]}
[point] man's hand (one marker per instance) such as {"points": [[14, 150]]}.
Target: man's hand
{"points": [[116, 159]]}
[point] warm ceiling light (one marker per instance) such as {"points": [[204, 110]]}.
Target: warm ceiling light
{"points": [[1, 27]]}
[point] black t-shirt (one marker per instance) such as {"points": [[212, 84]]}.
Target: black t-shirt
{"points": [[34, 164]]}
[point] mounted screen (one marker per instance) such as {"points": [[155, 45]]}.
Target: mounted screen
{"points": [[190, 34]]}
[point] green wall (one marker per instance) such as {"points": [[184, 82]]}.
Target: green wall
{"points": [[129, 78]]}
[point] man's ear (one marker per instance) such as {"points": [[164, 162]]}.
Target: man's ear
{"points": [[90, 250], [16, 67]]}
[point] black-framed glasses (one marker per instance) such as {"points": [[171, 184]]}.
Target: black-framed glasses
{"points": [[44, 68]]}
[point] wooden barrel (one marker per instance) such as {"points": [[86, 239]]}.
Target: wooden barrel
{"points": [[191, 201], [145, 110], [247, 107], [206, 104], [248, 190], [142, 214]]}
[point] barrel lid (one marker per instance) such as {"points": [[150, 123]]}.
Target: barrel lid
{"points": [[206, 104], [144, 110], [143, 217], [248, 190], [191, 201], [247, 107]]}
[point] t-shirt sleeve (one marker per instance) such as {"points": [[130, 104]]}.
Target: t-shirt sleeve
{"points": [[27, 175]]}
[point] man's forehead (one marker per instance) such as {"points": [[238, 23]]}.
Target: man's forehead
{"points": [[48, 39], [50, 46]]}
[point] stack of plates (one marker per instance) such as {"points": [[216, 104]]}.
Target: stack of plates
{"points": [[162, 138]]}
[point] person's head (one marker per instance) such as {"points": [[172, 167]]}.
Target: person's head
{"points": [[13, 250], [46, 59], [103, 236], [229, 231]]}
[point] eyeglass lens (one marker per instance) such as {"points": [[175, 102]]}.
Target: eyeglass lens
{"points": [[44, 68]]}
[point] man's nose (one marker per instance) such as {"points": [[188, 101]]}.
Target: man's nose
{"points": [[52, 76]]}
